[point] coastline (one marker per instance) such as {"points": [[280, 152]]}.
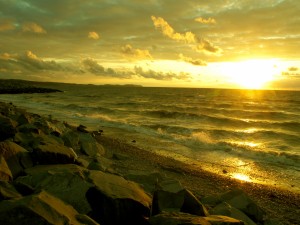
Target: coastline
{"points": [[279, 204], [118, 160]]}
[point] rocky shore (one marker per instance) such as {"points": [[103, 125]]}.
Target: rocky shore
{"points": [[22, 87], [55, 173]]}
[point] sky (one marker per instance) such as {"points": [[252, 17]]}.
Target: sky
{"points": [[182, 43]]}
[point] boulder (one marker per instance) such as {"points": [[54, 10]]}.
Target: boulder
{"points": [[5, 173], [179, 218], [7, 128], [239, 200], [66, 182], [227, 210], [116, 201], [38, 209], [17, 158], [89, 146], [101, 163], [49, 153], [148, 180], [24, 118], [223, 220], [8, 191], [172, 197], [29, 128], [71, 139]]}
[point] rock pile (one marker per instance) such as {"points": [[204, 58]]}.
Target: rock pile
{"points": [[53, 173]]}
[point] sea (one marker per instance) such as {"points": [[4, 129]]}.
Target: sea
{"points": [[248, 135]]}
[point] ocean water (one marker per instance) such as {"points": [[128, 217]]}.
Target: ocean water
{"points": [[252, 136]]}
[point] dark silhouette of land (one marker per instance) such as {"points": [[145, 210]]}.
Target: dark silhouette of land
{"points": [[11, 86]]}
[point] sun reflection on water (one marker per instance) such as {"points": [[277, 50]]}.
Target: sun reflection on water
{"points": [[242, 177]]}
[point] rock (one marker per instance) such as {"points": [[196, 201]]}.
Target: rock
{"points": [[29, 128], [222, 220], [172, 197], [238, 199], [179, 218], [7, 128], [120, 156], [5, 173], [37, 209], [116, 201], [227, 210], [24, 118], [90, 146], [82, 128], [8, 191], [71, 139], [66, 182], [148, 180], [53, 154], [17, 158], [101, 163]]}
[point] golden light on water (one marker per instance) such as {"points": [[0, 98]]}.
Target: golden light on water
{"points": [[246, 143], [242, 177]]}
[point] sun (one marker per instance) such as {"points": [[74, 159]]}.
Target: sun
{"points": [[251, 74]]}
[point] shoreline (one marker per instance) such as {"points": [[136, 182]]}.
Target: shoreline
{"points": [[50, 149], [281, 204]]}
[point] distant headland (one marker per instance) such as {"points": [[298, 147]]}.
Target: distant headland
{"points": [[11, 86]]}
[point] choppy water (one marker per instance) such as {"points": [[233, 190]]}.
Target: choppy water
{"points": [[249, 135]]}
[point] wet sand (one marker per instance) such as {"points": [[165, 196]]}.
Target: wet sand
{"points": [[279, 204]]}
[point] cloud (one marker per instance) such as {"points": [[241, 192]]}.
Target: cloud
{"points": [[206, 21], [293, 69], [93, 35], [151, 74], [187, 37], [130, 52], [168, 31], [6, 25], [33, 27], [196, 62], [92, 66], [28, 62], [291, 72]]}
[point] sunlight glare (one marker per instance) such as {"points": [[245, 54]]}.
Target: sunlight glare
{"points": [[252, 74], [242, 177]]}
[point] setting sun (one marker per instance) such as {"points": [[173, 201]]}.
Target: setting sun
{"points": [[252, 73]]}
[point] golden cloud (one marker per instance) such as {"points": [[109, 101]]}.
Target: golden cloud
{"points": [[187, 37], [168, 31], [129, 51], [206, 21], [93, 35], [33, 27]]}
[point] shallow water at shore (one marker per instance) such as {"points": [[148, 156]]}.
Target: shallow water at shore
{"points": [[247, 135]]}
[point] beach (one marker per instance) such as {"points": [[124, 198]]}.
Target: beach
{"points": [[280, 204]]}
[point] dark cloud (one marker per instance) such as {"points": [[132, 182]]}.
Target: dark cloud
{"points": [[291, 72], [92, 66], [160, 75], [28, 62], [195, 62]]}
